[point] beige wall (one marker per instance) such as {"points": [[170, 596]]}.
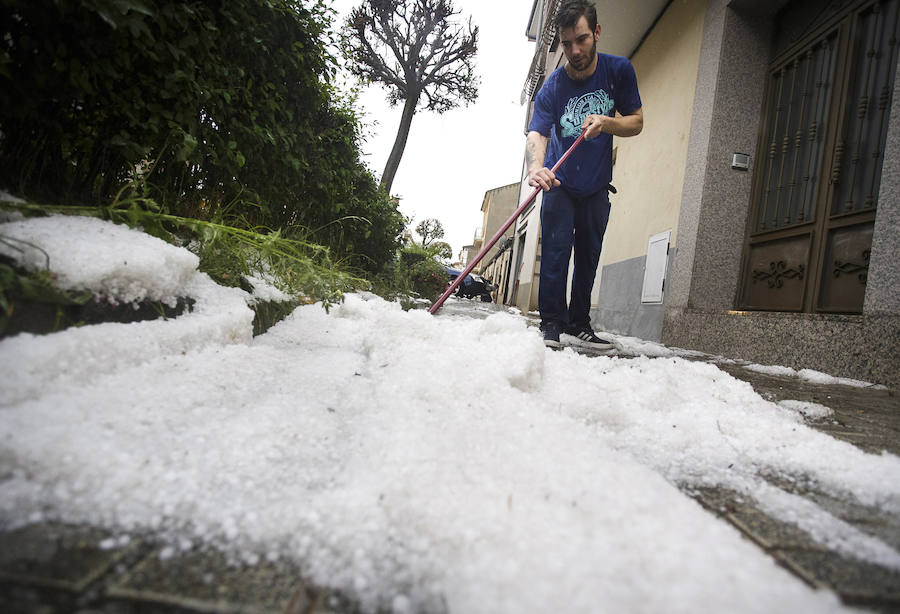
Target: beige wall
{"points": [[468, 254], [498, 205], [529, 274], [497, 272], [649, 169]]}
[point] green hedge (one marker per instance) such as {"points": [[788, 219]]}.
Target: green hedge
{"points": [[217, 104]]}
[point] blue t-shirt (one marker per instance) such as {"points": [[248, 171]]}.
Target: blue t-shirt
{"points": [[560, 108]]}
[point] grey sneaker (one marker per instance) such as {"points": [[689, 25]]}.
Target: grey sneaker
{"points": [[550, 331], [585, 337]]}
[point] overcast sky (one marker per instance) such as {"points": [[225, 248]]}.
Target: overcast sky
{"points": [[451, 160]]}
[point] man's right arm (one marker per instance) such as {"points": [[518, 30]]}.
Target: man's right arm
{"points": [[535, 152]]}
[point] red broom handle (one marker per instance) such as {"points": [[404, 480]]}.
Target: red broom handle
{"points": [[484, 250]]}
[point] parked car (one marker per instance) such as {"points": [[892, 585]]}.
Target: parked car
{"points": [[472, 286]]}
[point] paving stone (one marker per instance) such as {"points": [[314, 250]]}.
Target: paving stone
{"points": [[50, 567], [718, 500], [867, 417], [850, 510], [767, 532], [871, 520], [204, 581], [857, 583], [334, 603], [57, 555], [885, 530]]}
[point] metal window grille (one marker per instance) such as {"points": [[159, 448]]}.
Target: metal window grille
{"points": [[799, 96], [856, 171]]}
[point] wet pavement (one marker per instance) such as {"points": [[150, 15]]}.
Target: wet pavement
{"points": [[49, 568], [868, 418]]}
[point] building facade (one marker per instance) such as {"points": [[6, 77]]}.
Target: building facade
{"points": [[498, 268], [496, 208], [758, 214]]}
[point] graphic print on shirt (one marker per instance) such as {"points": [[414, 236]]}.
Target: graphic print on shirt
{"points": [[592, 103]]}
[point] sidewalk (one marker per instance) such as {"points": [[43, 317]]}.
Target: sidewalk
{"points": [[51, 568], [867, 418]]}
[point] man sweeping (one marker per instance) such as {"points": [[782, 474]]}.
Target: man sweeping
{"points": [[597, 93]]}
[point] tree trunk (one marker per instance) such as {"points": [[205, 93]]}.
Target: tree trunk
{"points": [[393, 162]]}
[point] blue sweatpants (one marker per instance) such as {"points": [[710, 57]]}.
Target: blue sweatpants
{"points": [[568, 221]]}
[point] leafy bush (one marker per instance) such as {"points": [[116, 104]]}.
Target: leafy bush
{"points": [[428, 279], [415, 272], [216, 103]]}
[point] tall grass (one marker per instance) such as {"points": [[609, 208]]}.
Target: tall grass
{"points": [[229, 249]]}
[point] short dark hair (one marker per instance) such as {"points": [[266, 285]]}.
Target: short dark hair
{"points": [[573, 10]]}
